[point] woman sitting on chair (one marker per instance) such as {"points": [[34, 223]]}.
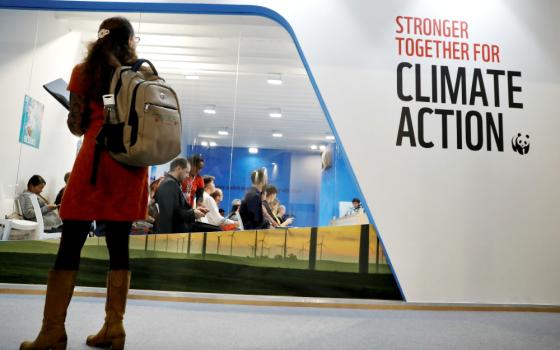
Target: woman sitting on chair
{"points": [[35, 186]]}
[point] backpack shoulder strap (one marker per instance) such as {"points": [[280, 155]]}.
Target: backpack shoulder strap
{"points": [[140, 62], [99, 145]]}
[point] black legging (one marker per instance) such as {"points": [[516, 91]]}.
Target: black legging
{"points": [[74, 234]]}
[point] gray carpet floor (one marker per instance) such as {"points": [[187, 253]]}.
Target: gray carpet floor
{"points": [[175, 325]]}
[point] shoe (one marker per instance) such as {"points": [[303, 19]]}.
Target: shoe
{"points": [[112, 333], [60, 287]]}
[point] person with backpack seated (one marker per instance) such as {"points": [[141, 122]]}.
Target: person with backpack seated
{"points": [[51, 220], [175, 213]]}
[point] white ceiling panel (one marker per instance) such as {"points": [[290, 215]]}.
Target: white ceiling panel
{"points": [[232, 56]]}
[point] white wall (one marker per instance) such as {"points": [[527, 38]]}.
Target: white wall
{"points": [[35, 49], [16, 54], [458, 225]]}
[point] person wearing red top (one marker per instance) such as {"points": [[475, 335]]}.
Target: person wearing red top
{"points": [[193, 185], [119, 196]]}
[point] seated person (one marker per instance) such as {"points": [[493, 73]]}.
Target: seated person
{"points": [[279, 219], [251, 209], [218, 196], [51, 219], [270, 193], [58, 199], [152, 207], [175, 213], [145, 226], [355, 209], [234, 212], [213, 216], [281, 213]]}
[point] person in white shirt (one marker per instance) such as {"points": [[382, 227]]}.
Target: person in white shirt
{"points": [[218, 196], [355, 208], [213, 216]]}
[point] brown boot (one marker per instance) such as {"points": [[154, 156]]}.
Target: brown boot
{"points": [[112, 333], [60, 287]]}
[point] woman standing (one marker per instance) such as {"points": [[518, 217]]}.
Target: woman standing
{"points": [[119, 196]]}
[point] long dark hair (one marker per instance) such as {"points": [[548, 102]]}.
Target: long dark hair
{"points": [[107, 53]]}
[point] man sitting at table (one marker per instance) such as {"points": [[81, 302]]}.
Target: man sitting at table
{"points": [[175, 214], [213, 216]]}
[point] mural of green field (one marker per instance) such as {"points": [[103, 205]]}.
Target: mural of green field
{"points": [[324, 262]]}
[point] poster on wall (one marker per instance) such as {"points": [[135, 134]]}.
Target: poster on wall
{"points": [[31, 121], [482, 125]]}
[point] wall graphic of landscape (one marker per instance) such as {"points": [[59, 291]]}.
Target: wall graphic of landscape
{"points": [[344, 261]]}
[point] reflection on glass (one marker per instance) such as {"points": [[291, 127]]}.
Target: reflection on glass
{"points": [[334, 249], [247, 103]]}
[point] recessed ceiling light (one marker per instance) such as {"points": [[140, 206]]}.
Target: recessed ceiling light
{"points": [[192, 77], [274, 79], [213, 144], [329, 137], [223, 132], [210, 109], [277, 134], [204, 143], [313, 147], [275, 113], [253, 150], [322, 147]]}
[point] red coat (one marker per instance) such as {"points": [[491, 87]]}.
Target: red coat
{"points": [[121, 192]]}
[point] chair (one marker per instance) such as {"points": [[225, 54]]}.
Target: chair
{"points": [[40, 231], [19, 225], [10, 225]]}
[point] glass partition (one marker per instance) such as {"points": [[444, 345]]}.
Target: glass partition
{"points": [[247, 103]]}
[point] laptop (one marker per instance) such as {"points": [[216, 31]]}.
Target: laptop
{"points": [[58, 89]]}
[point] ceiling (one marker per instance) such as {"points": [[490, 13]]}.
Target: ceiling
{"points": [[232, 56]]}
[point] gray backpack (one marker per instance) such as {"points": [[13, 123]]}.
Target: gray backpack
{"points": [[143, 127]]}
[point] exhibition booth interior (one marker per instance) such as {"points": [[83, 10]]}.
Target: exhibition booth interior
{"points": [[247, 102]]}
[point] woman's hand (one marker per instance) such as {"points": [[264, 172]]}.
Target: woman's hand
{"points": [[52, 207]]}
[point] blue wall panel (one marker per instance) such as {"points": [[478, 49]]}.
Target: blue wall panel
{"points": [[337, 185], [297, 175]]}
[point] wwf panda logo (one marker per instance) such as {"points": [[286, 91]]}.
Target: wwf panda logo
{"points": [[520, 143]]}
